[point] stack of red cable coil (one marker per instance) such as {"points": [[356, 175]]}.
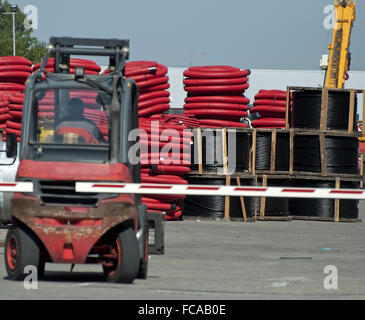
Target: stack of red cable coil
{"points": [[165, 158], [14, 71], [215, 95], [159, 165], [271, 107], [13, 124], [152, 80]]}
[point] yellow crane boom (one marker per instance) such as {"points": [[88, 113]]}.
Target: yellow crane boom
{"points": [[339, 57]]}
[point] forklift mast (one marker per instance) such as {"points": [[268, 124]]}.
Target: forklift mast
{"points": [[63, 47]]}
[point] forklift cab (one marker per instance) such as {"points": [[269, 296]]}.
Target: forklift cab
{"points": [[65, 120]]}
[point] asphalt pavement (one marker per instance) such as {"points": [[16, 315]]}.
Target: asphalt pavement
{"points": [[219, 260]]}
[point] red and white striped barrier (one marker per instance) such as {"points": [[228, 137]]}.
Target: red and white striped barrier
{"points": [[202, 190], [16, 187], [208, 190]]}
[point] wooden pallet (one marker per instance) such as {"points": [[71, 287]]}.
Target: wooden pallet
{"points": [[252, 171], [198, 140], [322, 150], [227, 201], [331, 178], [337, 215], [299, 132], [260, 202], [324, 107], [228, 180], [225, 170], [274, 134], [264, 175]]}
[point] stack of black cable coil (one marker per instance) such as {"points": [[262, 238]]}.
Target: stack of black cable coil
{"points": [[263, 151], [340, 150], [323, 208], [213, 206], [341, 154], [306, 109], [274, 206], [238, 145]]}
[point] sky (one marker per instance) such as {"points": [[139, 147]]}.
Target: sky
{"points": [[260, 34]]}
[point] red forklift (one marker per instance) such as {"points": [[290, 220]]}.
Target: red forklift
{"points": [[75, 128]]}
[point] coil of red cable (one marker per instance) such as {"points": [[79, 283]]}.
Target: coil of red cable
{"points": [[270, 106], [158, 132], [216, 93], [152, 80]]}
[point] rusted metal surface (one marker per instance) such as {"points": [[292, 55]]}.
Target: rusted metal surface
{"points": [[69, 233]]}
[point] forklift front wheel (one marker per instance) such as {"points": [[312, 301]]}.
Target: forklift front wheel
{"points": [[126, 258], [21, 250]]}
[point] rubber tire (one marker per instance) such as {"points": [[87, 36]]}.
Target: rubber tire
{"points": [[143, 266], [128, 268], [28, 252]]}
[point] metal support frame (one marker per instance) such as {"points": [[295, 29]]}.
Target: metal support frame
{"points": [[64, 47]]}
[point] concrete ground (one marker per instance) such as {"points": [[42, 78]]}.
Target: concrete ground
{"points": [[225, 260]]}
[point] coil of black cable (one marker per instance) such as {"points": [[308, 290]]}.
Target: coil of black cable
{"points": [[278, 207], [263, 151], [341, 154], [213, 206], [212, 150], [323, 207], [306, 109]]}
